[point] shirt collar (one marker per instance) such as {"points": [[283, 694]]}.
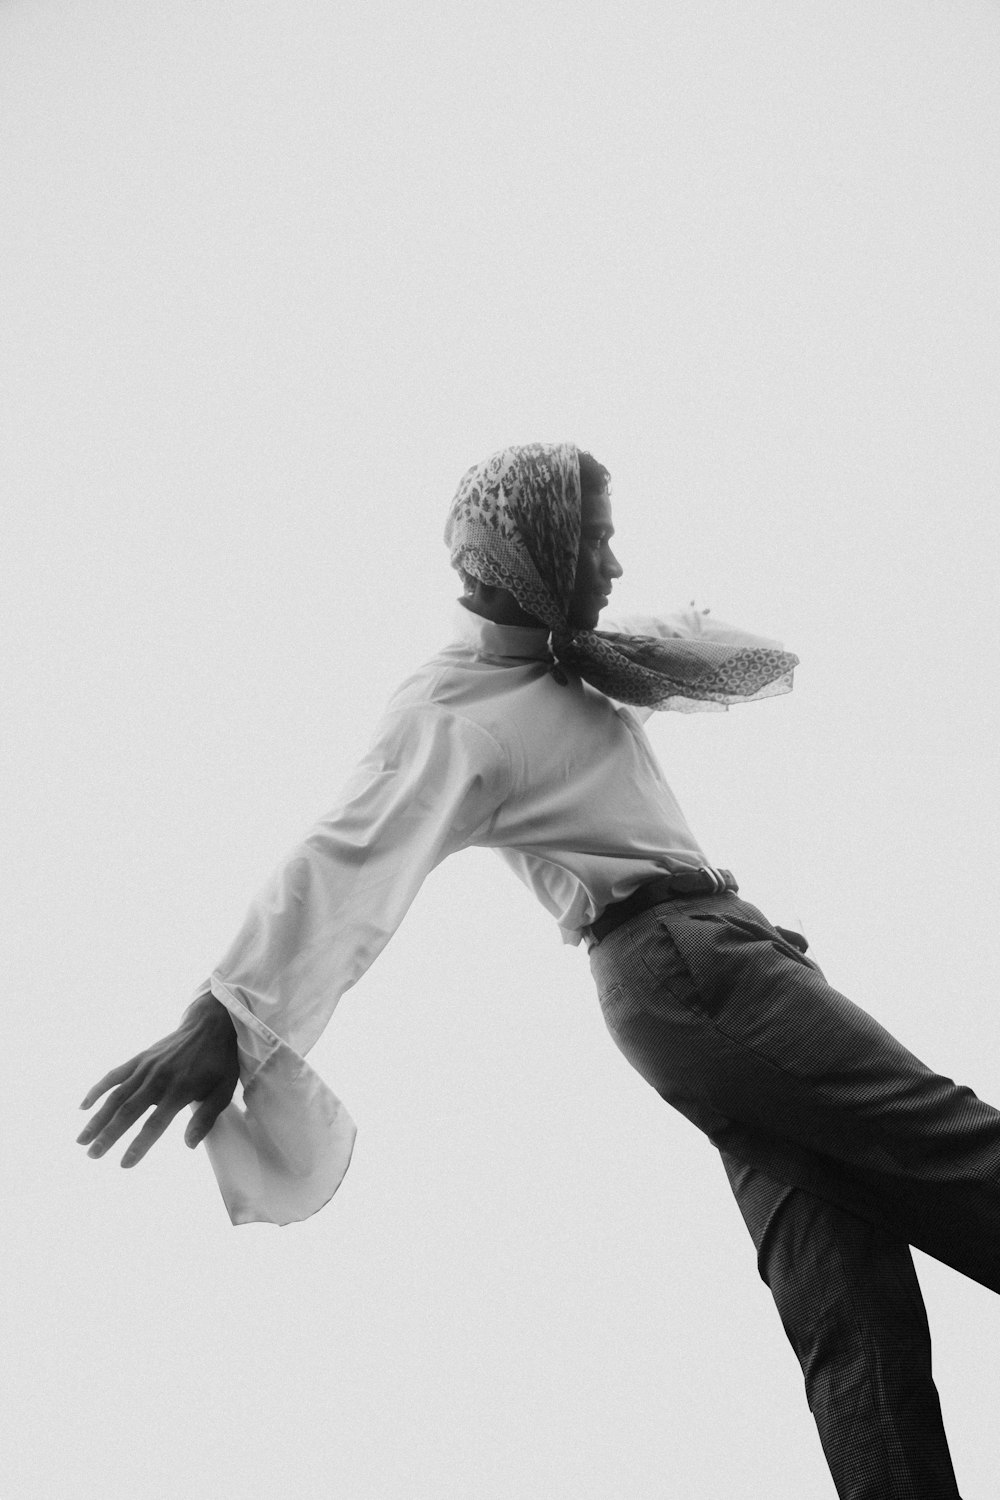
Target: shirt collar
{"points": [[506, 643]]}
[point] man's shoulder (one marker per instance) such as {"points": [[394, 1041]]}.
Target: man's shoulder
{"points": [[483, 702], [426, 725], [442, 686], [438, 681]]}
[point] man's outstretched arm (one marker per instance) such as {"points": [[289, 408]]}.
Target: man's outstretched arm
{"points": [[196, 1064], [430, 781]]}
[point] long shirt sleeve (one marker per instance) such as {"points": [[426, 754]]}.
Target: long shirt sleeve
{"points": [[429, 785]]}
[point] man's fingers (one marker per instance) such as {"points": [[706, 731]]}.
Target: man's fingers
{"points": [[193, 1063], [207, 1113], [121, 1111], [117, 1075], [150, 1133], [108, 1110]]}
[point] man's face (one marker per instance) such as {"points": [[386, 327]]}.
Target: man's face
{"points": [[596, 564]]}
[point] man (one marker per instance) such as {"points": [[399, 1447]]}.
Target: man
{"points": [[525, 735]]}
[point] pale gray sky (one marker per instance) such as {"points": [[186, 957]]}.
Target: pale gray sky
{"points": [[272, 277]]}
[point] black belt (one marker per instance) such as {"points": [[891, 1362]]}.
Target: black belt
{"points": [[703, 882]]}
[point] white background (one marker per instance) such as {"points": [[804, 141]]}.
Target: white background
{"points": [[273, 276]]}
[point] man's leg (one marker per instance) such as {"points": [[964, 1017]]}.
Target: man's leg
{"points": [[851, 1306], [743, 1035]]}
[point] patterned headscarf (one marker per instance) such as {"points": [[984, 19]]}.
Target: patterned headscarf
{"points": [[515, 524]]}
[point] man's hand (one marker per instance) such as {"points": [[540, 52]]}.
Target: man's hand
{"points": [[197, 1062], [795, 938]]}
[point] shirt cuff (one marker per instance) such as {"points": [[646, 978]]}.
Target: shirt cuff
{"points": [[282, 1155]]}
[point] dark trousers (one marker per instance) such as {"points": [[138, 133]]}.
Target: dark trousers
{"points": [[842, 1149]]}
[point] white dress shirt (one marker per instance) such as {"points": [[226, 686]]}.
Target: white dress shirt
{"points": [[481, 746]]}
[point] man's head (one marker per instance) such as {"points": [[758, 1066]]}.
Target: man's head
{"points": [[596, 564], [529, 530]]}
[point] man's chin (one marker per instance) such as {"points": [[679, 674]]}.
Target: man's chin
{"points": [[586, 621]]}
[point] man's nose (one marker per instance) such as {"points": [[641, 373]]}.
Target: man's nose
{"points": [[612, 567]]}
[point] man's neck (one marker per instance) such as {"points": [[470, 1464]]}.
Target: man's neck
{"points": [[499, 606]]}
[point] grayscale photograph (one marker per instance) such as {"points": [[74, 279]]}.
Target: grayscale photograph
{"points": [[502, 633]]}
